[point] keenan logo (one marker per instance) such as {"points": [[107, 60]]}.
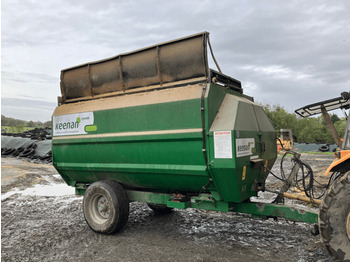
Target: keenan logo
{"points": [[68, 125], [73, 124], [244, 147]]}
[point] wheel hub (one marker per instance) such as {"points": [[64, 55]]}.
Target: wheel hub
{"points": [[103, 207], [348, 226]]}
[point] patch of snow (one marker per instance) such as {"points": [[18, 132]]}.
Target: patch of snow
{"points": [[42, 190]]}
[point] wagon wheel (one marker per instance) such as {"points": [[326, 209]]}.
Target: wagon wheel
{"points": [[160, 209], [334, 219], [106, 207]]}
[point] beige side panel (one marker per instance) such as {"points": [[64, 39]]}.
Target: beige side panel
{"points": [[226, 116], [138, 99]]}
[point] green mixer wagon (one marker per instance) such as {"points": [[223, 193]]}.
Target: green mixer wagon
{"points": [[157, 125]]}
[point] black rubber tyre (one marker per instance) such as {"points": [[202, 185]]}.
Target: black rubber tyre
{"points": [[8, 151], [324, 148], [32, 145], [27, 152], [106, 207], [160, 209], [20, 149], [334, 219], [16, 153]]}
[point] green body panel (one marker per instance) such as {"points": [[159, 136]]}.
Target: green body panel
{"points": [[213, 101], [158, 147], [163, 116], [156, 162], [245, 120]]}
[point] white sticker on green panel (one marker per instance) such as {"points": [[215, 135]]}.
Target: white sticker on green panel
{"points": [[222, 144], [72, 124], [244, 146]]}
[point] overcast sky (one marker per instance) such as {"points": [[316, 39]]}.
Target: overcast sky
{"points": [[289, 53]]}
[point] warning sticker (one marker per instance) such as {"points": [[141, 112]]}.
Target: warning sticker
{"points": [[222, 144], [244, 146]]}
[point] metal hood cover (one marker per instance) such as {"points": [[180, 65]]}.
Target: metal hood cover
{"points": [[182, 59]]}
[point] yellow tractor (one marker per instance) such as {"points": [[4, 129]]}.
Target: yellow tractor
{"points": [[285, 141], [334, 214]]}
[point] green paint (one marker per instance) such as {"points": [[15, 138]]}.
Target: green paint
{"points": [[271, 210], [164, 116], [90, 128], [179, 205], [148, 197]]}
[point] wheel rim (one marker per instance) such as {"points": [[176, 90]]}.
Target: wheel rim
{"points": [[103, 207], [348, 226], [100, 208]]}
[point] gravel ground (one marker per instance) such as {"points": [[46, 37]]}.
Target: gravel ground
{"points": [[50, 226]]}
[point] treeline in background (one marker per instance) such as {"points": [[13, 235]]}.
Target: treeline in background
{"points": [[12, 125], [305, 130]]}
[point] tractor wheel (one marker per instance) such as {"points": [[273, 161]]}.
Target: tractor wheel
{"points": [[106, 207], [160, 209], [334, 219]]}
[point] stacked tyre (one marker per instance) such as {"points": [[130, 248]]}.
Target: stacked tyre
{"points": [[28, 151]]}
